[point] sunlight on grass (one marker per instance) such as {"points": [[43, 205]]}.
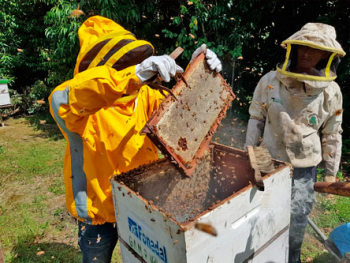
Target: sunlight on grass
{"points": [[34, 223]]}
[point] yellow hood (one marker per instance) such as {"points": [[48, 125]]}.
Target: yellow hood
{"points": [[104, 42]]}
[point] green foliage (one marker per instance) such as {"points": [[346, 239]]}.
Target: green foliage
{"points": [[16, 98], [346, 156], [39, 91], [22, 42], [8, 37], [39, 40], [61, 31]]}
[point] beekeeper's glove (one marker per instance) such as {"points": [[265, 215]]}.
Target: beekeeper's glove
{"points": [[164, 65], [329, 178], [212, 59]]}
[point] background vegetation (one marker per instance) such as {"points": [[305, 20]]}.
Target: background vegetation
{"points": [[39, 43]]}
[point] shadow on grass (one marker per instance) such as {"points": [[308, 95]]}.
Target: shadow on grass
{"points": [[46, 124], [26, 250]]}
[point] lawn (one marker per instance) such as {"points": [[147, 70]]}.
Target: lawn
{"points": [[34, 224]]}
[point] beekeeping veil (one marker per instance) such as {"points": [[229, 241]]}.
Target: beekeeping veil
{"points": [[318, 36]]}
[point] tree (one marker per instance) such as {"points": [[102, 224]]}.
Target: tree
{"points": [[39, 40]]}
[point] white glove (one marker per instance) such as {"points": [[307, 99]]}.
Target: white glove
{"points": [[212, 59], [164, 65]]}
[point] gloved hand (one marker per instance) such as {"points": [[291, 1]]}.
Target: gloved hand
{"points": [[329, 178], [212, 59], [164, 65]]}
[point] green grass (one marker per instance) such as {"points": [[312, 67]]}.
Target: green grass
{"points": [[33, 217], [328, 213]]}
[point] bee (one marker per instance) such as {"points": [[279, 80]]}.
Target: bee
{"points": [[192, 36], [338, 112], [40, 102], [76, 13]]}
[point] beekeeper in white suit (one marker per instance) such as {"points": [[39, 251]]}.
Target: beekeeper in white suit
{"points": [[296, 112]]}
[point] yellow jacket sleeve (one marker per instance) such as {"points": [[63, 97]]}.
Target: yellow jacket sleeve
{"points": [[90, 91]]}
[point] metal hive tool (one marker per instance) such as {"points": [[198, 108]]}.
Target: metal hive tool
{"points": [[182, 128]]}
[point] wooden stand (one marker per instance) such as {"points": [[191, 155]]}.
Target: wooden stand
{"points": [[2, 124]]}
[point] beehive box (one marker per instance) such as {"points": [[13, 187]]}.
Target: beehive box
{"points": [[157, 209], [4, 93], [183, 128]]}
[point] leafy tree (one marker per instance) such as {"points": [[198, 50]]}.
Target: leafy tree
{"points": [[39, 42], [23, 42]]}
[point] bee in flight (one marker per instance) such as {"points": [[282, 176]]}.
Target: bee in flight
{"points": [[206, 228], [76, 12]]}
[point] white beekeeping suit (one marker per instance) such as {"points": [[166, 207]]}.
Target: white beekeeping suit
{"points": [[297, 115], [296, 112]]}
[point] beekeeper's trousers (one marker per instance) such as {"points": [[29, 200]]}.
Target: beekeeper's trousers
{"points": [[97, 242], [301, 204]]}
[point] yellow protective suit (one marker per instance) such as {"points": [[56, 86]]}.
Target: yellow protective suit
{"points": [[102, 127]]}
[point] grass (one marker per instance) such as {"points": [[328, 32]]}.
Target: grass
{"points": [[33, 218], [34, 224], [328, 213]]}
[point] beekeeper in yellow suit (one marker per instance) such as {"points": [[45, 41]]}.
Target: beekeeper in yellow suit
{"points": [[101, 112], [297, 110]]}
